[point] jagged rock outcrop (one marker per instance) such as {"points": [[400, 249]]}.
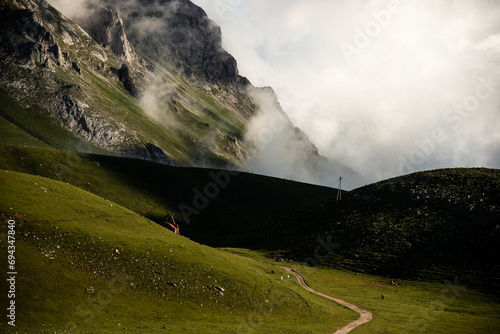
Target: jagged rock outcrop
{"points": [[75, 115], [155, 153], [106, 27], [130, 82], [179, 33], [24, 35]]}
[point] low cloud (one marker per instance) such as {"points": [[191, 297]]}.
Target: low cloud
{"points": [[282, 150], [73, 9], [270, 132], [377, 105], [158, 103]]}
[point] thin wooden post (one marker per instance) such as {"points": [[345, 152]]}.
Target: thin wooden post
{"points": [[339, 192]]}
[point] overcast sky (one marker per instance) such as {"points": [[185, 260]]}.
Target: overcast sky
{"points": [[386, 87]]}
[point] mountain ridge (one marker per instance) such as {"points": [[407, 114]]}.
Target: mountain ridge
{"points": [[176, 103]]}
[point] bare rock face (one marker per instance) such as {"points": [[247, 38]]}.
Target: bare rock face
{"points": [[105, 26], [155, 153], [74, 115], [24, 35], [35, 44], [179, 33], [130, 82]]}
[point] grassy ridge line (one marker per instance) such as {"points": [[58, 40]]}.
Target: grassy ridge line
{"points": [[425, 225], [152, 190], [87, 263]]}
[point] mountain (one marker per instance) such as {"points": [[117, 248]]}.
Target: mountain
{"points": [[141, 78], [103, 116]]}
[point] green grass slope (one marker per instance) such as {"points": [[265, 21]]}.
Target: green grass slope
{"points": [[86, 264], [421, 225], [447, 306], [146, 279], [404, 306], [153, 190]]}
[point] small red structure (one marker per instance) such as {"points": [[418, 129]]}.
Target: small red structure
{"points": [[169, 220]]}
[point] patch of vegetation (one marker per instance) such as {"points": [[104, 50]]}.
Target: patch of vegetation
{"points": [[87, 264], [422, 225]]}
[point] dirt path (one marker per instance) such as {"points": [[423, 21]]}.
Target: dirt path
{"points": [[365, 316]]}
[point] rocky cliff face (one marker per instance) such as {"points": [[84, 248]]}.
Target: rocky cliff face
{"points": [[105, 26], [25, 37], [42, 59], [91, 82], [143, 78], [179, 33]]}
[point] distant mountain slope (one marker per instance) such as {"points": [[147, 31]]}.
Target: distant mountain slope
{"points": [[55, 70], [139, 78]]}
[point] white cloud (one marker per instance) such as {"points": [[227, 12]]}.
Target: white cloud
{"points": [[374, 111], [491, 43]]}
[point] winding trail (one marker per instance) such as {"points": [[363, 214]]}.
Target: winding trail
{"points": [[365, 316]]}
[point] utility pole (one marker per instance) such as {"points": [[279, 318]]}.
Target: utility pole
{"points": [[339, 192]]}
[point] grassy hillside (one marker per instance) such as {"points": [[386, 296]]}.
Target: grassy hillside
{"points": [[153, 190], [146, 279], [407, 306], [86, 264], [422, 225]]}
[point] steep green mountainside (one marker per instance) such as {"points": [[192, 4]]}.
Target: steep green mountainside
{"points": [[172, 95], [242, 200], [420, 225], [57, 74], [86, 264]]}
